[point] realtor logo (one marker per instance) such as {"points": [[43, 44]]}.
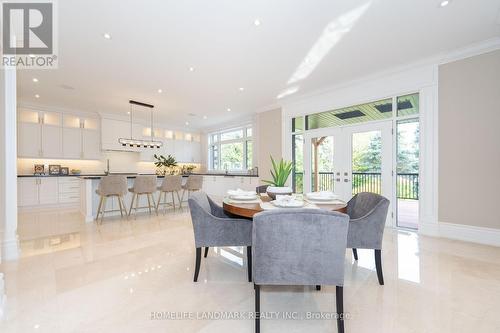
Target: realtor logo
{"points": [[28, 34]]}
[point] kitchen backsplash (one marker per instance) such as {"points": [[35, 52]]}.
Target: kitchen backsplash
{"points": [[118, 162]]}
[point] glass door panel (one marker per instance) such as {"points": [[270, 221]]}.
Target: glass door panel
{"points": [[322, 163], [367, 162], [407, 173]]}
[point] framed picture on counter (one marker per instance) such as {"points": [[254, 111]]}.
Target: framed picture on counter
{"points": [[64, 171], [39, 169], [54, 169]]}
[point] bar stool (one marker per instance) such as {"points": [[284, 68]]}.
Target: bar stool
{"points": [[170, 184], [111, 186], [143, 185], [193, 183]]}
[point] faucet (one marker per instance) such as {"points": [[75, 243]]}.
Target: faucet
{"points": [[107, 167]]}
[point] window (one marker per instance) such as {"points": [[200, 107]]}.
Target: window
{"points": [[231, 150]]}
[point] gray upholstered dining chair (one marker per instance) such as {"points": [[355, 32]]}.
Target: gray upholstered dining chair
{"points": [[299, 247], [367, 212], [212, 227]]}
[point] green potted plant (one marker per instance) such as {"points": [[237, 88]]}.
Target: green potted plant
{"points": [[164, 164], [280, 173]]}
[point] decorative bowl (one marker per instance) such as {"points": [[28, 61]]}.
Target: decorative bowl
{"points": [[272, 191]]}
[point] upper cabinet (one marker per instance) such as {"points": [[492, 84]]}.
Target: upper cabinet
{"points": [[43, 134]]}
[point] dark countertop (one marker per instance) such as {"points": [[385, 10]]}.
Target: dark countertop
{"points": [[133, 175]]}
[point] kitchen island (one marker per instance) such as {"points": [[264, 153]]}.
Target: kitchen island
{"points": [[214, 184]]}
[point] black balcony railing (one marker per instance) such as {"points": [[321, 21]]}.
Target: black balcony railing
{"points": [[407, 184]]}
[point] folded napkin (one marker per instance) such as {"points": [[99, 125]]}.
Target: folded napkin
{"points": [[321, 195], [268, 206], [240, 192], [235, 201]]}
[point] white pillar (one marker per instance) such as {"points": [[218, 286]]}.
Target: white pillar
{"points": [[8, 165]]}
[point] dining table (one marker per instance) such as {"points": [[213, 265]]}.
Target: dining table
{"points": [[249, 209]]}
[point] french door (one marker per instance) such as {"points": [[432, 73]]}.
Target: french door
{"points": [[350, 159]]}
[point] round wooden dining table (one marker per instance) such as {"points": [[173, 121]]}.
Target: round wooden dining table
{"points": [[248, 210]]}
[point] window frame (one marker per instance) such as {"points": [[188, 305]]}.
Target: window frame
{"points": [[217, 143]]}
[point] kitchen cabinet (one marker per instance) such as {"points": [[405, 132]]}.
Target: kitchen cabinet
{"points": [[91, 144], [72, 143], [48, 191], [81, 138], [112, 130], [40, 191], [34, 191], [39, 134], [218, 185], [48, 134]]}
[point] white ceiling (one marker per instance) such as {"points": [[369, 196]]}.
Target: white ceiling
{"points": [[304, 44]]}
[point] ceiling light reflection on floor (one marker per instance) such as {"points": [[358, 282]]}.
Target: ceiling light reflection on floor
{"points": [[332, 34]]}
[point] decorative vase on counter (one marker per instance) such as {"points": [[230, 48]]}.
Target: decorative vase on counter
{"points": [[272, 191]]}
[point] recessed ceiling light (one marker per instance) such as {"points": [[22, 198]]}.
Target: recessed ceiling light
{"points": [[444, 3], [32, 55], [37, 96], [228, 109], [205, 117], [187, 123], [256, 22], [128, 112], [241, 88], [191, 69], [160, 91], [106, 36], [35, 79]]}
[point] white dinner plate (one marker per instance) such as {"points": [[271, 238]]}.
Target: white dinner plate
{"points": [[243, 197]]}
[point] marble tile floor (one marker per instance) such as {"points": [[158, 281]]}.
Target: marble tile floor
{"points": [[79, 277]]}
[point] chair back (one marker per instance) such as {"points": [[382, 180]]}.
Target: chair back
{"points": [[145, 184], [363, 203], [194, 182], [171, 183], [113, 185], [261, 189], [299, 247]]}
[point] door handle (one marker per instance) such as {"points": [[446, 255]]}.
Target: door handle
{"points": [[346, 180]]}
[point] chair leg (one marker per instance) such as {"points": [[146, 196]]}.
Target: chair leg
{"points": [[257, 308], [249, 263], [182, 197], [378, 265], [159, 200], [123, 204], [173, 201], [318, 287], [154, 203], [197, 264], [120, 205], [149, 203], [103, 208], [179, 198], [339, 295], [206, 252], [131, 204], [99, 209], [355, 253]]}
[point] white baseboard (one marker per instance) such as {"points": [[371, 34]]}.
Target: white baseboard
{"points": [[468, 233]]}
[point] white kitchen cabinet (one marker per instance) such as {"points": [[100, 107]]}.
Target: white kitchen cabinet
{"points": [[28, 140], [91, 144], [48, 191], [195, 152], [51, 141], [218, 185], [168, 147], [69, 190], [35, 191], [27, 191], [112, 130], [72, 143]]}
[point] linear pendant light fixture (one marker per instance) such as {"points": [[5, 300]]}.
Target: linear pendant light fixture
{"points": [[140, 143]]}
